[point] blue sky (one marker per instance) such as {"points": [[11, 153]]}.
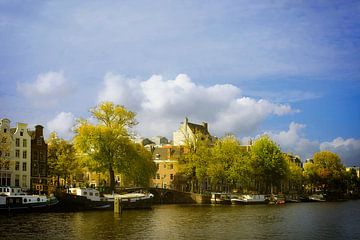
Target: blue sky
{"points": [[290, 69]]}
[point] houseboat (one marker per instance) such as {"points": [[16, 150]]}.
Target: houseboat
{"points": [[317, 197], [82, 199], [13, 199], [249, 199], [132, 200], [220, 198]]}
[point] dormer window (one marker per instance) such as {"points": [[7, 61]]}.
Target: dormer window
{"points": [[21, 133]]}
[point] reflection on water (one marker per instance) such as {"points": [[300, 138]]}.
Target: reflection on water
{"points": [[291, 221]]}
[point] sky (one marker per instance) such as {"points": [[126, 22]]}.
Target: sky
{"points": [[288, 69]]}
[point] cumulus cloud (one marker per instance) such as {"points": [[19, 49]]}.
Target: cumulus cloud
{"points": [[47, 89], [162, 103], [119, 89], [348, 149], [62, 124], [293, 141]]}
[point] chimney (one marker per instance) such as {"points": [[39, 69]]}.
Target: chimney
{"points": [[39, 130], [205, 125]]}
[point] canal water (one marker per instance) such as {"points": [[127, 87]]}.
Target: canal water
{"points": [[329, 220]]}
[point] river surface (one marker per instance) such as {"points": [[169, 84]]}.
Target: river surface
{"points": [[329, 220]]}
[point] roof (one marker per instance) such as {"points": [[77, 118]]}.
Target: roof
{"points": [[197, 128]]}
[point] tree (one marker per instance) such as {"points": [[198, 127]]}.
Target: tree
{"points": [[325, 170], [61, 157], [194, 163], [5, 146], [142, 167], [295, 176], [106, 145], [268, 163], [229, 164]]}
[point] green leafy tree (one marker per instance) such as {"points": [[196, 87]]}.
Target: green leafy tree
{"points": [[229, 164], [295, 177], [62, 160], [268, 164], [142, 167], [325, 170], [5, 145], [194, 163], [106, 145]]}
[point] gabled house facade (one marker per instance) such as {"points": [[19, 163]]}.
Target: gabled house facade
{"points": [[20, 163], [188, 132], [39, 165]]}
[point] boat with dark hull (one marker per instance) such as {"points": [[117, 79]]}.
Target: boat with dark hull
{"points": [[81, 199], [13, 200]]}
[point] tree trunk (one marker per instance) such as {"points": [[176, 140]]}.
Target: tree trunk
{"points": [[112, 179]]}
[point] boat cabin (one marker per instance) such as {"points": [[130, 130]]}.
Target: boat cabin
{"points": [[89, 193]]}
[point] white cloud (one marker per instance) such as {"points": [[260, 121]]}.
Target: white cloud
{"points": [[62, 124], [47, 90], [348, 149], [292, 141], [162, 103], [119, 89]]}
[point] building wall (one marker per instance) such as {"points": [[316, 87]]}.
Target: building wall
{"points": [[183, 133], [165, 175], [166, 158], [39, 168], [20, 163]]}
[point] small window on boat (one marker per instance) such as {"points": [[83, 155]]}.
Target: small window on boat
{"points": [[38, 199], [85, 193], [25, 200], [91, 194]]}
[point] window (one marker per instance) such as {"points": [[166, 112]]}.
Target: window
{"points": [[17, 180], [24, 184], [24, 166], [35, 155], [17, 166], [5, 130], [7, 165], [24, 143], [164, 165], [171, 166], [171, 176], [21, 133], [24, 154], [17, 153], [17, 142], [158, 176]]}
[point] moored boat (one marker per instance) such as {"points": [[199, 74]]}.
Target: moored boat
{"points": [[82, 199], [220, 198], [317, 197], [12, 199], [132, 200], [249, 199]]}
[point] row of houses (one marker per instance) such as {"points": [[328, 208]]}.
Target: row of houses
{"points": [[23, 156]]}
